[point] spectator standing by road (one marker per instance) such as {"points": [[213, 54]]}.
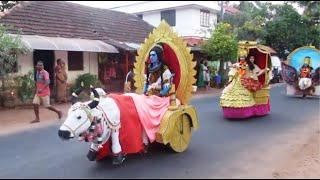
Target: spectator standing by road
{"points": [[42, 94]]}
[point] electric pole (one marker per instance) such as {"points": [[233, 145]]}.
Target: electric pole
{"points": [[222, 10]]}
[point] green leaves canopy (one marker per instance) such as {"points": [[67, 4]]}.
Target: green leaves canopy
{"points": [[279, 26], [222, 45], [289, 30], [10, 47]]}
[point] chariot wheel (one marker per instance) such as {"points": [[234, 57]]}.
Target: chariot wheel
{"points": [[181, 134]]}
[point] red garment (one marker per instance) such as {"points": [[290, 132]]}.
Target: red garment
{"points": [[130, 135], [42, 78], [151, 110], [305, 72], [251, 84]]}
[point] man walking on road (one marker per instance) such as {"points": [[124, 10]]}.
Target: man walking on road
{"points": [[42, 92]]}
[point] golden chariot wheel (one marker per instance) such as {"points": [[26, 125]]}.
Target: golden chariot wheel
{"points": [[181, 135]]}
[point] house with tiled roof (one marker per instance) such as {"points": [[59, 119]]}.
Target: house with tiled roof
{"points": [[88, 39]]}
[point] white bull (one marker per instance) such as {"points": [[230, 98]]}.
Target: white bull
{"points": [[84, 117]]}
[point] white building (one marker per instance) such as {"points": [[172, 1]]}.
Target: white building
{"points": [[191, 19]]}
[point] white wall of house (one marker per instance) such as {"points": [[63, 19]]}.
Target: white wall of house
{"points": [[152, 18], [90, 64], [187, 21], [147, 6], [187, 15], [25, 63]]}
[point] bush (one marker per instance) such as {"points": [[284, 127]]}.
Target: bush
{"points": [[26, 86], [87, 79]]}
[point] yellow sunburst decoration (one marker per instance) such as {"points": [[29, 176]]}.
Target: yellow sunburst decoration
{"points": [[164, 34]]}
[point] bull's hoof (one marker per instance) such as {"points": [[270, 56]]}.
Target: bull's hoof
{"points": [[92, 155], [117, 160]]}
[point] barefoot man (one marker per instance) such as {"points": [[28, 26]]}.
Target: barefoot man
{"points": [[42, 92]]}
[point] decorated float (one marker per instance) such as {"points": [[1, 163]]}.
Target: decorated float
{"points": [[247, 92], [122, 124], [302, 71]]}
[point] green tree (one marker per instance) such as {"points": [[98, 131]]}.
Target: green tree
{"points": [[252, 30], [222, 46], [311, 10], [289, 30], [6, 5], [249, 23], [10, 48]]}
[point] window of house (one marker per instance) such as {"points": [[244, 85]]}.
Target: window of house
{"points": [[140, 16], [75, 60], [169, 16], [205, 18]]}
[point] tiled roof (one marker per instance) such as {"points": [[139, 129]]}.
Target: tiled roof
{"points": [[69, 20], [192, 41], [231, 10]]}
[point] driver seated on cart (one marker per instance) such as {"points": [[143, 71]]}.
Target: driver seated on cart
{"points": [[158, 77], [305, 70], [305, 80]]}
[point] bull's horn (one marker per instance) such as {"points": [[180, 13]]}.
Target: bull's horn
{"points": [[94, 103], [76, 93]]}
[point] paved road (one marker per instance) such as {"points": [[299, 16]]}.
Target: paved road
{"points": [[215, 150]]}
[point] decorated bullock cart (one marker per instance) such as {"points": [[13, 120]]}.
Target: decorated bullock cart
{"points": [[121, 124], [302, 71]]}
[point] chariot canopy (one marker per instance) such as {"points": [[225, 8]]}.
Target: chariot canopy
{"points": [[298, 57]]}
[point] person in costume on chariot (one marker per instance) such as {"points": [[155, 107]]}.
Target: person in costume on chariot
{"points": [[305, 75], [235, 94], [299, 73], [158, 76], [247, 91], [249, 73], [306, 69], [250, 81]]}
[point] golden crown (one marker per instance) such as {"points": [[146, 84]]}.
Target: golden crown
{"points": [[307, 60]]}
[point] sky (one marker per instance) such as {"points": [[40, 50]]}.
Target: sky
{"points": [[113, 4]]}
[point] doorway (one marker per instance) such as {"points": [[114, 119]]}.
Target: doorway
{"points": [[47, 57]]}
